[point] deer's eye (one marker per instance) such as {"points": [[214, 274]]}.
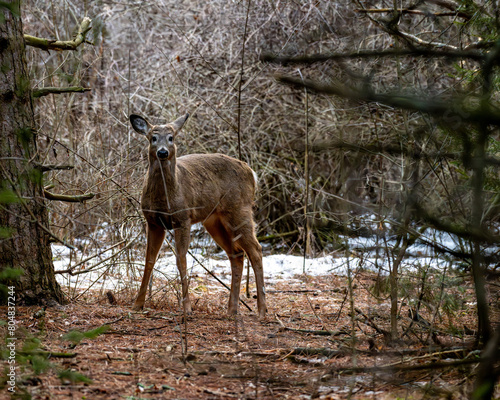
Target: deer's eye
{"points": [[170, 138], [154, 139]]}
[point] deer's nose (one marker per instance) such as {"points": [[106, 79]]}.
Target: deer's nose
{"points": [[162, 154]]}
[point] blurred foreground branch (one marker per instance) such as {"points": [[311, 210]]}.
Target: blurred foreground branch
{"points": [[414, 52], [434, 106], [460, 14]]}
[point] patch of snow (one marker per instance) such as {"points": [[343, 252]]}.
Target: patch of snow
{"points": [[363, 253]]}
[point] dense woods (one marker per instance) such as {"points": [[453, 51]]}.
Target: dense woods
{"points": [[366, 122]]}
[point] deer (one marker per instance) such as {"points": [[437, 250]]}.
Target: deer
{"points": [[214, 189]]}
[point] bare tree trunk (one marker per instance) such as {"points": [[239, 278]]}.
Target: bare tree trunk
{"points": [[487, 374], [25, 239], [479, 164], [478, 273]]}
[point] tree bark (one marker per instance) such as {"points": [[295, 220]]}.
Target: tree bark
{"points": [[23, 215]]}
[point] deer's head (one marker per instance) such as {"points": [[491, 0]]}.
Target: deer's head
{"points": [[161, 137]]}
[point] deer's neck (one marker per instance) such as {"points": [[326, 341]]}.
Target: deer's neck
{"points": [[163, 177]]}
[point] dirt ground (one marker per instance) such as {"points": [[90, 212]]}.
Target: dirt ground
{"points": [[303, 349]]}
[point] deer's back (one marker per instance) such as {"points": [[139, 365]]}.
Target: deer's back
{"points": [[214, 183]]}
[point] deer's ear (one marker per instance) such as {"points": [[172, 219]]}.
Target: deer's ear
{"points": [[179, 123], [140, 124]]}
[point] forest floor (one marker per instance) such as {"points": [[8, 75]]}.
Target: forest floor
{"points": [[303, 349]]}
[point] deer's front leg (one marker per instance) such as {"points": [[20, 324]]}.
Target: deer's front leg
{"points": [[155, 236], [182, 237]]}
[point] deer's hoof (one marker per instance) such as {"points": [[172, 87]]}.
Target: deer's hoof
{"points": [[232, 311], [187, 309]]}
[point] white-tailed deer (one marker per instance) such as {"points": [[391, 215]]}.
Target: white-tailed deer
{"points": [[213, 189]]}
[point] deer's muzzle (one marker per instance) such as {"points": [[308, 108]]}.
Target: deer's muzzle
{"points": [[162, 154]]}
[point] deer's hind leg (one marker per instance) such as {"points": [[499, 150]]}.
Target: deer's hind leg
{"points": [[244, 238], [224, 239]]}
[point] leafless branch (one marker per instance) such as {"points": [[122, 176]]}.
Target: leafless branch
{"points": [[51, 44], [58, 90], [69, 199]]}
